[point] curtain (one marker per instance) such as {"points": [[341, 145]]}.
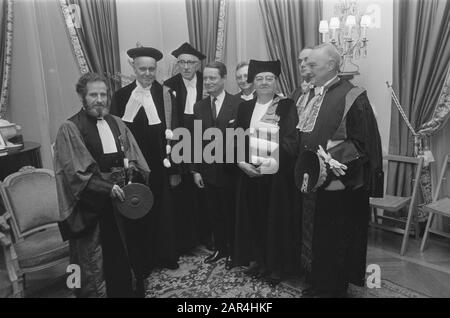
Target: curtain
{"points": [[245, 38], [421, 59], [6, 34], [221, 31], [97, 32], [43, 74], [289, 26], [441, 111], [203, 19]]}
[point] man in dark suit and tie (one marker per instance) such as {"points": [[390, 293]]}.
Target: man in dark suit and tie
{"points": [[218, 110]]}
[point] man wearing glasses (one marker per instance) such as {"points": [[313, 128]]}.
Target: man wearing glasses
{"points": [[185, 89]]}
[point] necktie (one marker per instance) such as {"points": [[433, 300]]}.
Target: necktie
{"points": [[213, 109]]}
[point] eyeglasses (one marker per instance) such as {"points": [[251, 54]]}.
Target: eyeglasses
{"points": [[189, 63], [268, 78]]}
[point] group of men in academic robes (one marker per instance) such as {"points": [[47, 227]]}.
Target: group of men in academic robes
{"points": [[250, 209]]}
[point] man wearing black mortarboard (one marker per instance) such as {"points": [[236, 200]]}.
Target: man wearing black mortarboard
{"points": [[185, 89], [141, 106]]}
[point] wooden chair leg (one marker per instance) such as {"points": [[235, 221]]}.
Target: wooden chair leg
{"points": [[18, 288], [417, 230], [425, 234], [375, 215], [407, 229]]}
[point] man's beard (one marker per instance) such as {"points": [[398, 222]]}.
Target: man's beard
{"points": [[98, 110]]}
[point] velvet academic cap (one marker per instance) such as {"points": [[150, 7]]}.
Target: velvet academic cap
{"points": [[256, 67], [186, 48], [145, 51]]}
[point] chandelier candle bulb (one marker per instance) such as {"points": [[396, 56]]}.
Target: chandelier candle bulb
{"points": [[365, 23], [334, 25], [350, 22], [323, 28]]}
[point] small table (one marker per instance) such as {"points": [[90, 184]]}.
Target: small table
{"points": [[30, 155]]}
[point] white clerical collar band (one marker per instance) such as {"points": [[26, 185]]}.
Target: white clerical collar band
{"points": [[249, 96], [106, 137], [192, 82], [141, 87], [141, 97], [318, 90]]}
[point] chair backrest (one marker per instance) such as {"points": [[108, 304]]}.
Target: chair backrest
{"points": [[30, 200], [417, 161], [441, 177]]}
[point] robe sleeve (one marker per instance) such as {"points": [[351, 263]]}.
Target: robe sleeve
{"points": [[288, 133], [132, 150], [288, 139], [74, 167], [362, 129]]}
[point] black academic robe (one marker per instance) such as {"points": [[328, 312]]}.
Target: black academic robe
{"points": [[296, 94], [179, 93], [93, 210], [154, 235], [267, 222], [191, 222], [338, 221], [240, 95]]}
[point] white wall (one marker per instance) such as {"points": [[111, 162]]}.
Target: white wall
{"points": [[161, 24], [245, 38], [376, 68]]}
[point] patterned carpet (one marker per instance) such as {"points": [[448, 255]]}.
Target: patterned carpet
{"points": [[194, 279]]}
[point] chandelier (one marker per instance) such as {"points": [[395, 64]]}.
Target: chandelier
{"points": [[347, 31]]}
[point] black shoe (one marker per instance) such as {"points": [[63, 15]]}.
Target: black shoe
{"points": [[340, 293], [261, 274], [229, 263], [210, 246], [252, 271], [309, 292], [272, 281], [171, 265], [139, 292], [214, 257]]}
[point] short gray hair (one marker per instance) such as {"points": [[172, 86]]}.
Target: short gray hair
{"points": [[241, 65], [331, 51]]}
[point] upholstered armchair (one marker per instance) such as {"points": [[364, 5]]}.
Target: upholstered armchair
{"points": [[29, 234]]}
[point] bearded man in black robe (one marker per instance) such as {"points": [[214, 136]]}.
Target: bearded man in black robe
{"points": [[90, 149]]}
